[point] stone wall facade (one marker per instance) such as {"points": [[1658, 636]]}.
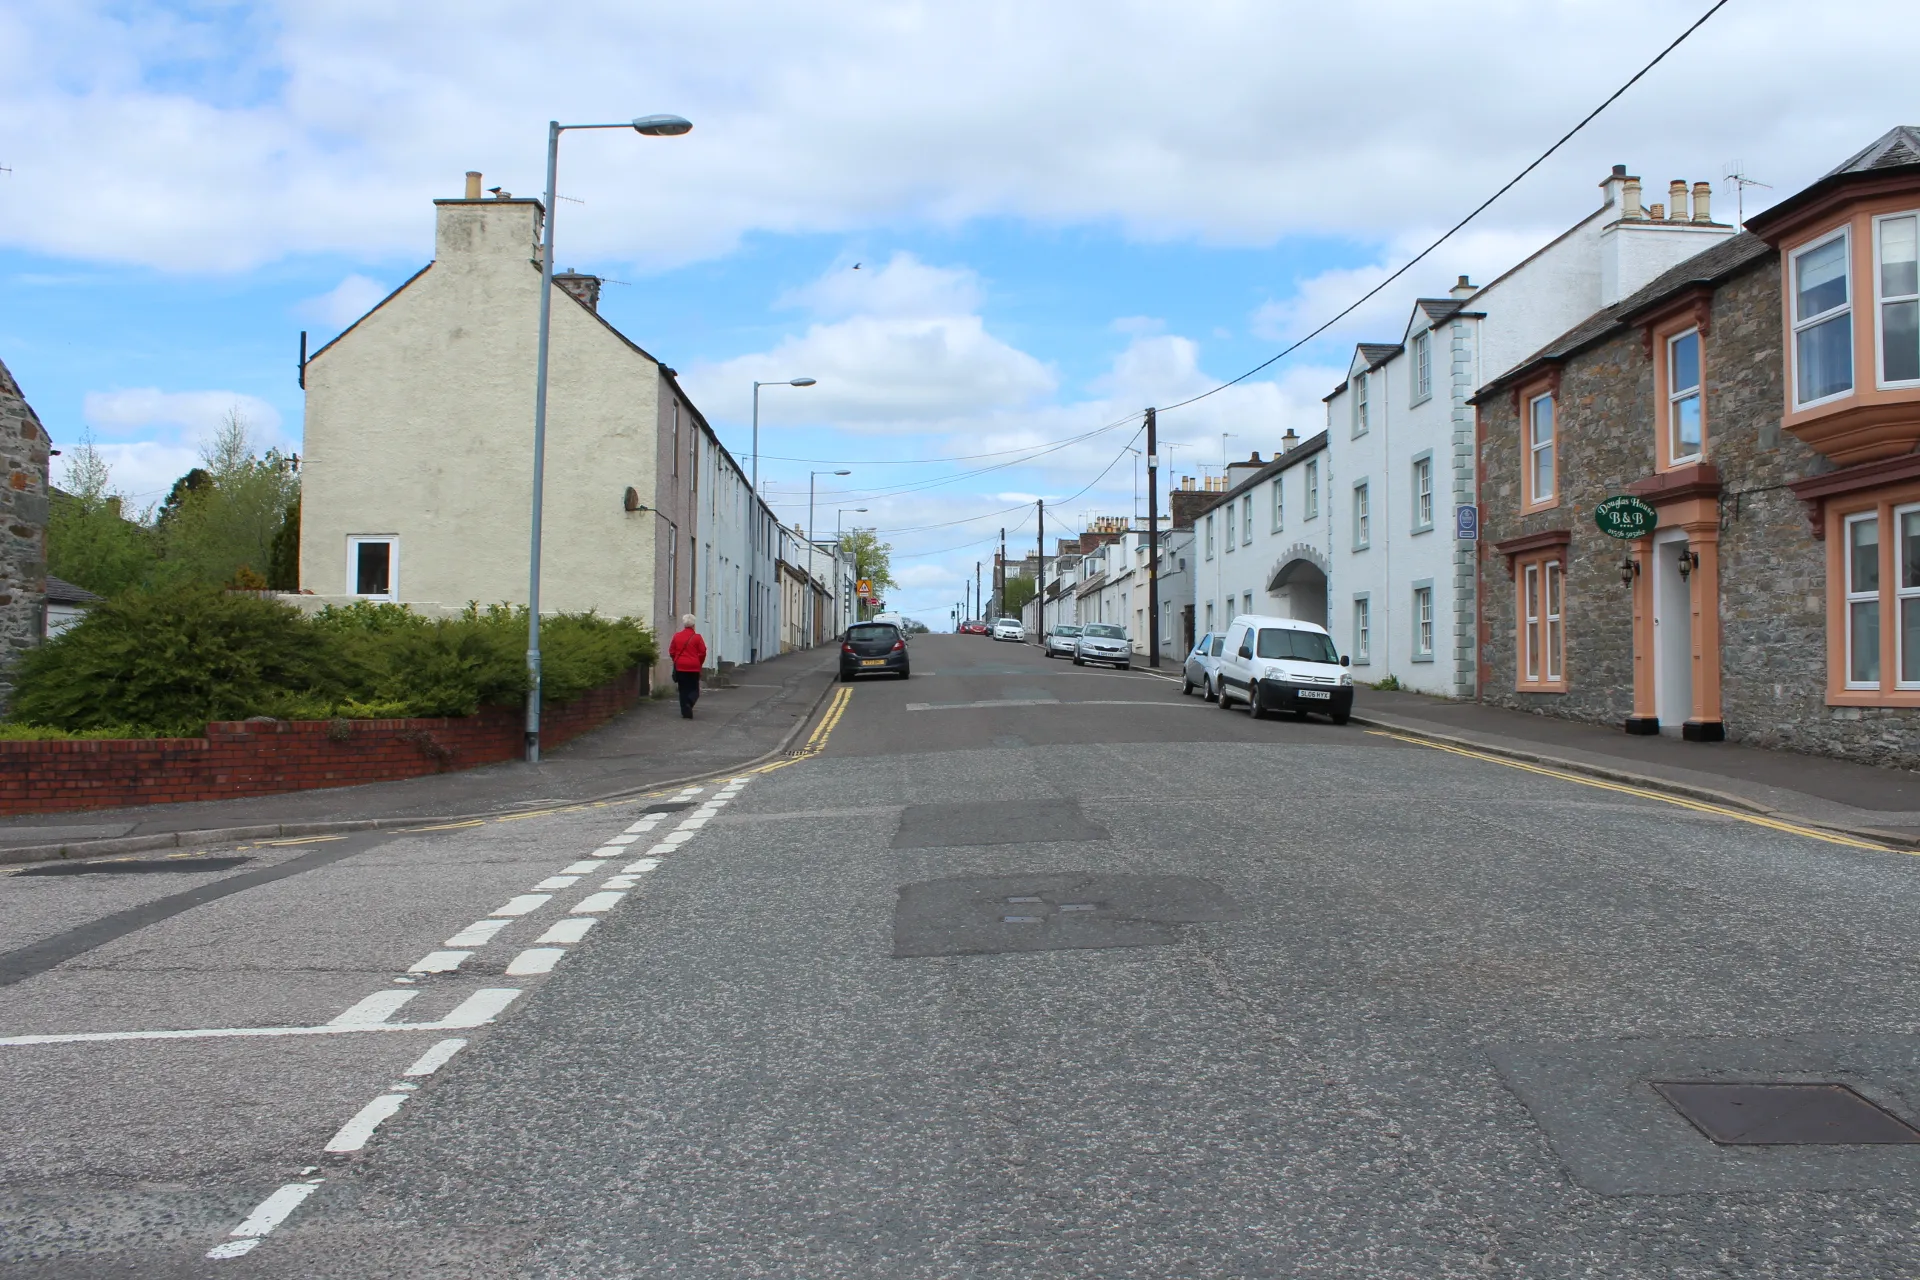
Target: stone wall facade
{"points": [[23, 529]]}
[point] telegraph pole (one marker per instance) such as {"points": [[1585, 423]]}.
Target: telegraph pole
{"points": [[980, 608], [1000, 576], [1040, 574], [1153, 543]]}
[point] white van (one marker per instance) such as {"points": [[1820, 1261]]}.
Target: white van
{"points": [[1281, 664]]}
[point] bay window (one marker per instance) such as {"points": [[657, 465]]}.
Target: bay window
{"points": [[1822, 321], [1897, 255]]}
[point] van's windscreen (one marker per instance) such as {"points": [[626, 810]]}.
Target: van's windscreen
{"points": [[1301, 646]]}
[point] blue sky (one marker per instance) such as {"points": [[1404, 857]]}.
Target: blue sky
{"points": [[1061, 213]]}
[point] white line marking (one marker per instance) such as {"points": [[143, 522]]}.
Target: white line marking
{"points": [[232, 1249], [641, 867], [645, 825], [439, 962], [585, 867], [988, 702], [480, 1008], [624, 839], [534, 960], [271, 1212], [618, 882], [609, 851], [595, 902], [661, 848], [676, 838], [739, 782], [568, 931], [693, 823], [435, 1058], [375, 1008], [477, 934], [524, 903], [558, 882], [354, 1133]]}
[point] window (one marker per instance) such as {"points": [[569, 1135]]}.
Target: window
{"points": [[1863, 602], [1822, 322], [1279, 506], [1229, 526], [1246, 519], [1542, 636], [1907, 593], [1246, 603], [1684, 438], [676, 441], [1898, 256], [1210, 616], [1422, 366], [1209, 546], [1360, 405], [1423, 492], [1219, 642], [373, 566], [1362, 518], [1313, 490], [1423, 623], [1540, 463], [1362, 629]]}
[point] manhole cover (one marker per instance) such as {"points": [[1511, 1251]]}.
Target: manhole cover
{"points": [[132, 866], [1058, 911], [1783, 1114]]}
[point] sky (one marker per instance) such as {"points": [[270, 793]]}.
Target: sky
{"points": [[982, 228]]}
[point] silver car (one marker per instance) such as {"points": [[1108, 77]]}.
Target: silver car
{"points": [[1103, 642], [1061, 639], [1202, 669]]}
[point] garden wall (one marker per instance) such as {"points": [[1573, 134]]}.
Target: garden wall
{"points": [[260, 757]]}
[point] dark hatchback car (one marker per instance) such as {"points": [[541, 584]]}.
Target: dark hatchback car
{"points": [[873, 649]]}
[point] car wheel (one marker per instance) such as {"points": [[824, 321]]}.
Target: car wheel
{"points": [[1220, 698], [1078, 661], [1186, 687], [905, 673], [1340, 718], [1206, 691], [846, 677], [1254, 708], [1124, 666], [1300, 715]]}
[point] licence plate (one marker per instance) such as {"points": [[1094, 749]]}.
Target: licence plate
{"points": [[1314, 693], [881, 662]]}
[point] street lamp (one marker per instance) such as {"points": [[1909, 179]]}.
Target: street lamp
{"points": [[656, 126], [789, 382], [839, 542], [812, 537]]}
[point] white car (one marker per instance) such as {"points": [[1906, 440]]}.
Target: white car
{"points": [[1009, 629], [1060, 641], [1280, 664], [1103, 642]]}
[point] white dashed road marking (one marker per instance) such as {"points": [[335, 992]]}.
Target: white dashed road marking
{"points": [[523, 904], [534, 960], [439, 962], [354, 1133], [374, 1009], [568, 931]]}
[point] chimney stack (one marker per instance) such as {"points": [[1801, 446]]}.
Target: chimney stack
{"points": [[1463, 288], [1677, 200], [1658, 212], [1630, 200], [1702, 202], [473, 184], [585, 288], [1289, 440]]}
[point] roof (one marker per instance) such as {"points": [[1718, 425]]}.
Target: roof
{"points": [[1894, 152], [1709, 267], [1378, 353], [60, 591], [1438, 310], [1299, 453]]}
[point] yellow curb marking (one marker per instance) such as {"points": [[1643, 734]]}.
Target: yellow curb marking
{"points": [[300, 840], [818, 741], [1698, 806]]}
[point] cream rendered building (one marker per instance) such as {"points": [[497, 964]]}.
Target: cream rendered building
{"points": [[419, 441]]}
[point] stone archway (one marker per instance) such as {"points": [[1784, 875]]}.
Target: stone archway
{"points": [[1298, 584]]}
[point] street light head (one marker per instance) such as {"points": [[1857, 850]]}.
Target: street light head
{"points": [[801, 382], [843, 473], [662, 126]]}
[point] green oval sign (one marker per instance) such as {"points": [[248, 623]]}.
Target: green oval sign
{"points": [[1625, 516]]}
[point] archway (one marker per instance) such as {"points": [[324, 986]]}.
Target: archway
{"points": [[1299, 586]]}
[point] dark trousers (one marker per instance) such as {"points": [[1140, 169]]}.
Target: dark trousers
{"points": [[689, 682]]}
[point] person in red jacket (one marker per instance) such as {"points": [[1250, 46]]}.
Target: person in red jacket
{"points": [[689, 654]]}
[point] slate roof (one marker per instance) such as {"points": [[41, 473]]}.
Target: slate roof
{"points": [[1378, 353], [1895, 151], [1710, 266], [1299, 453], [1439, 310], [60, 591]]}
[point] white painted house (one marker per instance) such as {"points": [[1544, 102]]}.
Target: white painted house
{"points": [[1401, 431], [1261, 546]]}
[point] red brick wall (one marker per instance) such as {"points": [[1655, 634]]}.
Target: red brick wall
{"points": [[247, 758]]}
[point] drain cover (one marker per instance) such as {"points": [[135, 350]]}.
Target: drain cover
{"points": [[132, 866], [1070, 911], [1822, 1115]]}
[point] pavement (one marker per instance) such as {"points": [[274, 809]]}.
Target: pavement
{"points": [[1013, 969], [1871, 801], [750, 715]]}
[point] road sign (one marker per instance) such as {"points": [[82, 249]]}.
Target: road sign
{"points": [[864, 586], [1626, 517], [1466, 522]]}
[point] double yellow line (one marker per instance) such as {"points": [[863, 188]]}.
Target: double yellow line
{"points": [[817, 741], [1698, 806]]}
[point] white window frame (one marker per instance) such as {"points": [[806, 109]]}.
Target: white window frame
{"points": [[1246, 519], [1422, 366], [1360, 406], [1675, 396], [1901, 594], [1362, 517], [1803, 323], [1209, 535], [1279, 503], [1362, 629], [1853, 597], [1313, 490], [1535, 449], [1552, 638], [1880, 302], [1209, 617], [1229, 543], [354, 542], [1423, 622], [1423, 492], [1530, 611]]}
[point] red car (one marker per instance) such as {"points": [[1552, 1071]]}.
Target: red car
{"points": [[974, 627]]}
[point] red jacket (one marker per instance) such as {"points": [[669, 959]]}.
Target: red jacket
{"points": [[688, 650]]}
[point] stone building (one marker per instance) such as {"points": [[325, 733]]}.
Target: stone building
{"points": [[1767, 418], [23, 528]]}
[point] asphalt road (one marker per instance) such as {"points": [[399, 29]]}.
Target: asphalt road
{"points": [[1024, 970]]}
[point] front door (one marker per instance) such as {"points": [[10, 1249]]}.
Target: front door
{"points": [[1672, 634]]}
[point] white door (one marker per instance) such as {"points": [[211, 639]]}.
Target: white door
{"points": [[1672, 635]]}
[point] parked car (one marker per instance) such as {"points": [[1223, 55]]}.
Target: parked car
{"points": [[1202, 670], [873, 649], [1010, 629], [1280, 664], [1060, 641], [1103, 642], [974, 627]]}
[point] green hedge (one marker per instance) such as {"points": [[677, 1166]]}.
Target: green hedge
{"points": [[167, 661]]}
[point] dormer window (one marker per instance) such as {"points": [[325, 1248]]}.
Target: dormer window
{"points": [[1898, 258], [1822, 322]]}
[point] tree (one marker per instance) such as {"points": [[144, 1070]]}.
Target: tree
{"points": [[283, 568], [212, 530], [90, 542], [1017, 593], [872, 558]]}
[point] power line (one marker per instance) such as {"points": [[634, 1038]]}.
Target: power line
{"points": [[1478, 210]]}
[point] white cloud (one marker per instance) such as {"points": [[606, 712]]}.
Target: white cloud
{"points": [[194, 412], [346, 302], [233, 136], [144, 470]]}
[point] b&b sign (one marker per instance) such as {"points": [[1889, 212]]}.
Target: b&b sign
{"points": [[1626, 517]]}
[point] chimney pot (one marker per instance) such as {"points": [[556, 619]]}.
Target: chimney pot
{"points": [[1658, 212], [1630, 200], [1702, 202], [473, 184], [1461, 288], [1677, 200], [1619, 171]]}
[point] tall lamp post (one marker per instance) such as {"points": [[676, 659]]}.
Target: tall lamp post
{"points": [[839, 543], [812, 537], [658, 126], [788, 382]]}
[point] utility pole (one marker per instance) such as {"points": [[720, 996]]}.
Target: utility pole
{"points": [[978, 604], [1000, 576], [1040, 574], [1153, 543]]}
